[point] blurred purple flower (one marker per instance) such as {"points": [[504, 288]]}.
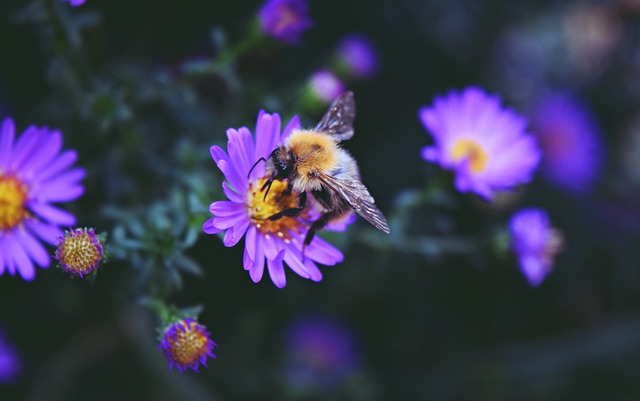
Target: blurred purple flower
{"points": [[534, 242], [357, 55], [247, 210], [320, 353], [75, 3], [33, 174], [186, 345], [570, 141], [325, 86], [485, 144], [284, 20], [10, 364]]}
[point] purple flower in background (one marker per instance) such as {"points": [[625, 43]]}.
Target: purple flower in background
{"points": [[357, 55], [570, 141], [247, 211], [324, 85], [320, 353], [75, 3], [10, 364], [534, 242], [186, 345], [485, 144], [33, 175], [284, 20]]}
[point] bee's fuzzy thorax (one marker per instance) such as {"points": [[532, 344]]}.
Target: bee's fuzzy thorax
{"points": [[313, 151]]}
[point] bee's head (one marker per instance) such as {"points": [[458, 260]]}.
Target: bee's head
{"points": [[280, 164]]}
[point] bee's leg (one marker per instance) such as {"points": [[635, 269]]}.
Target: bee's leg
{"points": [[294, 211], [318, 225]]}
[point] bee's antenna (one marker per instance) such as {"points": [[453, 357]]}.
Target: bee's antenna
{"points": [[266, 185], [262, 159]]}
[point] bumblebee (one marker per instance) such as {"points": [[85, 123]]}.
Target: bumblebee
{"points": [[313, 164]]}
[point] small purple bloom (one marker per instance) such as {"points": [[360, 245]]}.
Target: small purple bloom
{"points": [[534, 242], [570, 141], [324, 85], [75, 3], [485, 144], [10, 364], [320, 352], [80, 251], [186, 345], [358, 56], [278, 242], [33, 175], [284, 20]]}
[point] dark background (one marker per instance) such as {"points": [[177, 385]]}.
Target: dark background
{"points": [[454, 325]]}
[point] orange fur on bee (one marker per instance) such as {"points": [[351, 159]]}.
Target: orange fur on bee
{"points": [[314, 152]]}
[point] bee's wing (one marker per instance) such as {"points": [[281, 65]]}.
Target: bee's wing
{"points": [[338, 121], [354, 192]]}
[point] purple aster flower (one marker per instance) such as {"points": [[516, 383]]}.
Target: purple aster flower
{"points": [[534, 242], [570, 141], [75, 3], [33, 175], [79, 251], [284, 20], [485, 144], [187, 344], [325, 86], [277, 242], [10, 364], [320, 352], [357, 55]]}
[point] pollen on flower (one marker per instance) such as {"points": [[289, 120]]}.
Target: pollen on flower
{"points": [[186, 344], [80, 251], [13, 194], [471, 151], [260, 209]]}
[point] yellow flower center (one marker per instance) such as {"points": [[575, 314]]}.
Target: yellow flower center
{"points": [[13, 194], [79, 253], [190, 344], [260, 209], [473, 152]]}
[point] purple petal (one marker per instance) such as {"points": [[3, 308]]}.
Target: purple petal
{"points": [[52, 214], [294, 261], [52, 193], [251, 242], [209, 228], [34, 248], [231, 194], [276, 270], [257, 270], [25, 266], [224, 222], [227, 208], [293, 124], [272, 246], [430, 153], [3, 255], [69, 177], [267, 133], [47, 232], [323, 252], [234, 234], [62, 162], [238, 153], [44, 154], [7, 134], [30, 138]]}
